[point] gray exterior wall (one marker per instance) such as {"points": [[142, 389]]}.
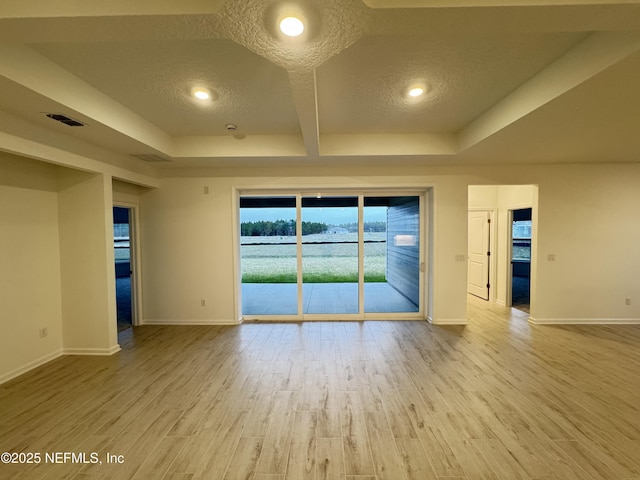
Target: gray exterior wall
{"points": [[403, 254]]}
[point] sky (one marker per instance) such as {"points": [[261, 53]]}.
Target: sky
{"points": [[328, 215]]}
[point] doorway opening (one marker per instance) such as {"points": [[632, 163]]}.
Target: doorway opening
{"points": [[506, 245], [521, 258], [123, 266], [331, 256]]}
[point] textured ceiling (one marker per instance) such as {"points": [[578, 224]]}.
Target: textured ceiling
{"points": [[498, 74], [363, 90], [161, 74]]}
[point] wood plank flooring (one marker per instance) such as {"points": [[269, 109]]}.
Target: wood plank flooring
{"points": [[499, 399]]}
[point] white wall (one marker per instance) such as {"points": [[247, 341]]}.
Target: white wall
{"points": [[85, 208], [585, 216], [30, 285], [588, 218], [186, 252], [450, 251], [188, 243], [483, 197], [126, 193]]}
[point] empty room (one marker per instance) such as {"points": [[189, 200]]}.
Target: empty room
{"points": [[320, 239]]}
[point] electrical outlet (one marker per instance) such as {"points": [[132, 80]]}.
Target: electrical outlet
{"points": [[551, 257], [627, 301], [461, 258], [43, 332], [203, 302]]}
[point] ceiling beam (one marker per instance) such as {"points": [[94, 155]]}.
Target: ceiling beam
{"points": [[594, 55], [83, 8], [32, 149], [399, 145], [305, 98], [24, 66], [231, 146], [488, 3]]}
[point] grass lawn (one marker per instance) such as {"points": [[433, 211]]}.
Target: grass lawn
{"points": [[334, 262], [121, 254]]}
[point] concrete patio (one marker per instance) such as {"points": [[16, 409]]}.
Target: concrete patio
{"points": [[322, 298]]}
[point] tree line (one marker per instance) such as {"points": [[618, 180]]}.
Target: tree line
{"points": [[279, 228], [287, 228], [368, 226]]}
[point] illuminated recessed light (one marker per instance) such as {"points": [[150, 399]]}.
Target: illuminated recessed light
{"points": [[416, 91], [201, 94], [292, 26]]}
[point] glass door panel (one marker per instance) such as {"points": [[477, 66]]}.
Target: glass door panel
{"points": [[330, 255], [391, 254], [268, 252]]}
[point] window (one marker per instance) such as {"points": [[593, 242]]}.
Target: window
{"points": [[521, 234]]}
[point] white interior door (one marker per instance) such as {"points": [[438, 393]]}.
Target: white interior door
{"points": [[478, 254]]}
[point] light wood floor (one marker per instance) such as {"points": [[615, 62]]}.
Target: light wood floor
{"points": [[498, 399]]}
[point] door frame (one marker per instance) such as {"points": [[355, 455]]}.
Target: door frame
{"points": [[423, 194], [134, 248], [509, 283]]}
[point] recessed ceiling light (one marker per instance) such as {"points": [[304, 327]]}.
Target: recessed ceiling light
{"points": [[201, 94], [416, 91], [292, 26]]}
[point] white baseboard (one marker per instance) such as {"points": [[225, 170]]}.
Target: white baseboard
{"points": [[91, 351], [448, 321], [155, 321], [30, 366], [585, 321]]}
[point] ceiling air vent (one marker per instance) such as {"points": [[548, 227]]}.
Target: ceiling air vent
{"points": [[64, 119], [150, 158]]}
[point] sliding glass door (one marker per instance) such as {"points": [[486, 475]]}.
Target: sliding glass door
{"points": [[331, 256]]}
